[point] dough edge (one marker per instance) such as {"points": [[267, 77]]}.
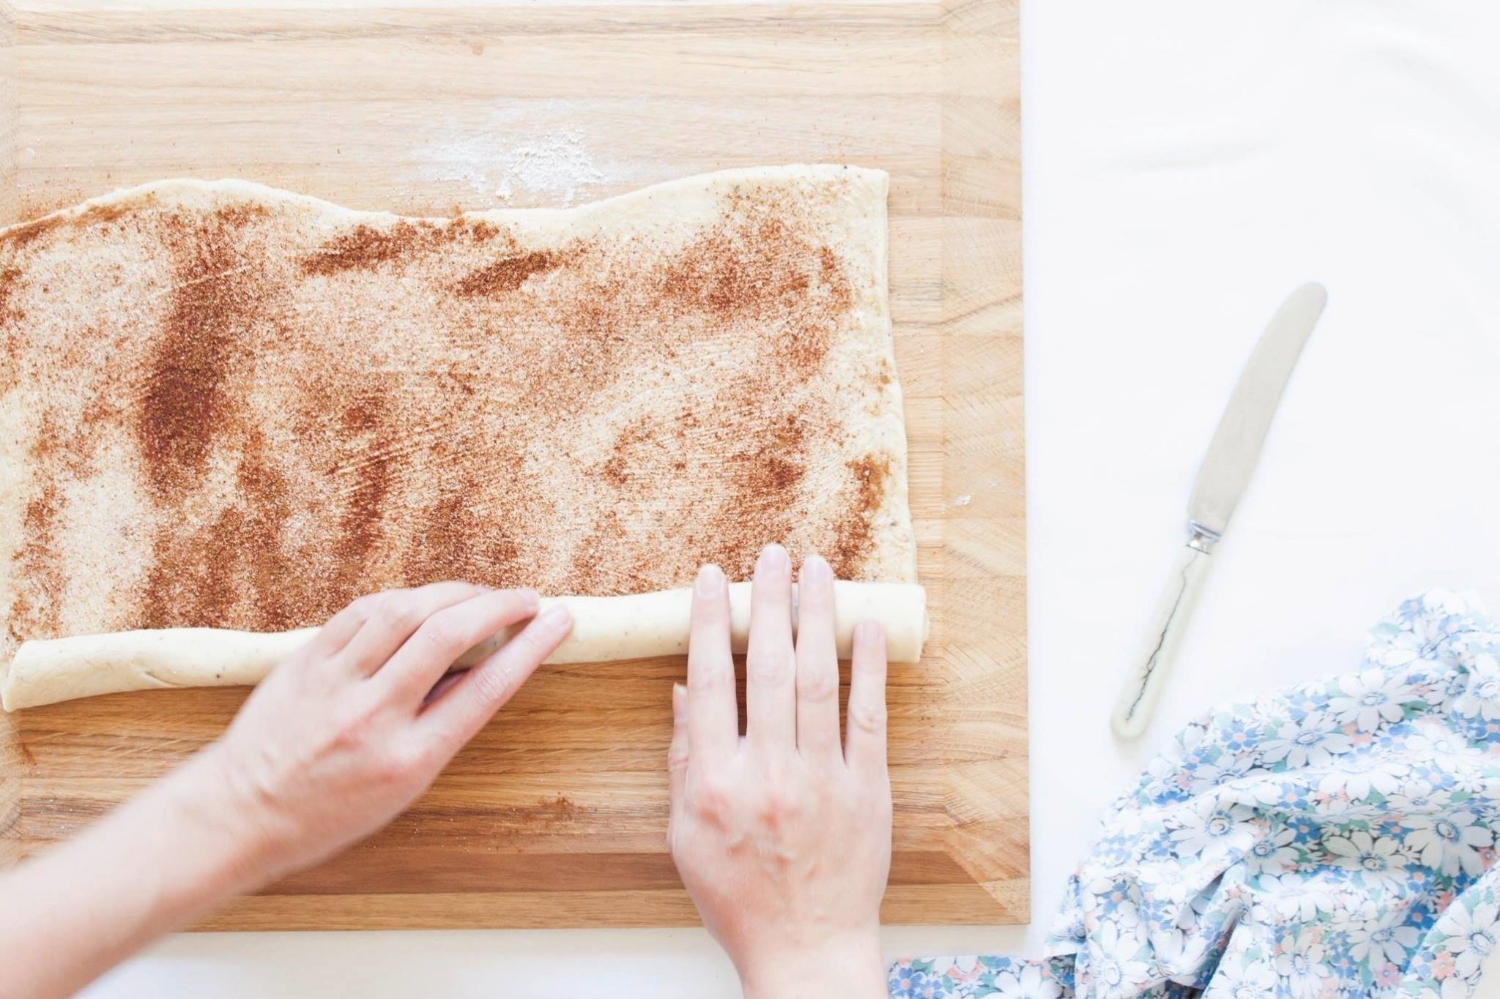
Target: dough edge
{"points": [[188, 189]]}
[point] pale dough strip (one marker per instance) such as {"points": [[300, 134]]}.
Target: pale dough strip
{"points": [[605, 629]]}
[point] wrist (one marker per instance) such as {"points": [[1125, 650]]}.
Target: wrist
{"points": [[847, 966], [228, 851]]}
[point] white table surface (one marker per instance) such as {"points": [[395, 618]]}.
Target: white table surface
{"points": [[1186, 165]]}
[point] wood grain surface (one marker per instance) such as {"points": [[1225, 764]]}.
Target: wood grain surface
{"points": [[556, 814]]}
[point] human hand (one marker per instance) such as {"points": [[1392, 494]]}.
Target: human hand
{"points": [[336, 741], [783, 837], [354, 727]]}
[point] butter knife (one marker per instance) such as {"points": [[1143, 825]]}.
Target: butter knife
{"points": [[1222, 479]]}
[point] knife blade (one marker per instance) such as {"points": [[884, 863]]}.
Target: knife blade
{"points": [[1222, 479]]}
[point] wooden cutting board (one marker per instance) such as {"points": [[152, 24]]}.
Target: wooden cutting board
{"points": [[556, 814]]}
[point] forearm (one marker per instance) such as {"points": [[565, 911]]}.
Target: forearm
{"points": [[153, 865]]}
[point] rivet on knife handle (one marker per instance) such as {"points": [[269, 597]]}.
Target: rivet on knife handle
{"points": [[1222, 479], [1138, 699]]}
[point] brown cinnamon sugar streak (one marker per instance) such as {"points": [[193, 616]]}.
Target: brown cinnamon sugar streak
{"points": [[274, 409]]}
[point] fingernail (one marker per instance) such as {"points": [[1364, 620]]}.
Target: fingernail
{"points": [[556, 616], [815, 570], [679, 700], [710, 581], [773, 558]]}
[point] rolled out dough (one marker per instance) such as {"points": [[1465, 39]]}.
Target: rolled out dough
{"points": [[228, 410], [605, 629]]}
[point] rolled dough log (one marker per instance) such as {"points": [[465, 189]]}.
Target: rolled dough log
{"points": [[605, 629]]}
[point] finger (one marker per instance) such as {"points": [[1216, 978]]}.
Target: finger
{"points": [[677, 752], [817, 665], [388, 619], [343, 626], [865, 751], [450, 632], [473, 700], [713, 714], [444, 685], [770, 666]]}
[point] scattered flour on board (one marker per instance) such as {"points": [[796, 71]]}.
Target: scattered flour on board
{"points": [[27, 154], [963, 500], [552, 165]]}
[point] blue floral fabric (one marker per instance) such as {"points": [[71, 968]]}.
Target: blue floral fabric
{"points": [[1334, 839]]}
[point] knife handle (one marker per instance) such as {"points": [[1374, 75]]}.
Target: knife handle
{"points": [[1138, 700]]}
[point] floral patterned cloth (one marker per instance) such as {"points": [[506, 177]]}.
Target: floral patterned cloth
{"points": [[1334, 839]]}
